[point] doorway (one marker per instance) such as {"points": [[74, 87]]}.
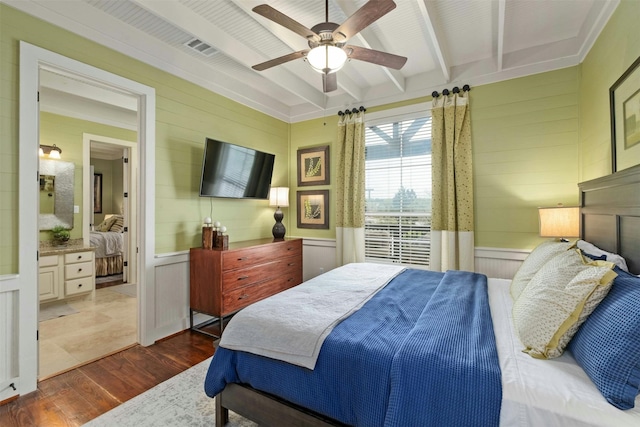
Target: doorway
{"points": [[32, 60], [73, 330]]}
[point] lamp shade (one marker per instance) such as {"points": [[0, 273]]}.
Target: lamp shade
{"points": [[279, 196], [559, 221], [326, 58]]}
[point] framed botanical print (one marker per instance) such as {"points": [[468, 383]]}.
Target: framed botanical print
{"points": [[624, 101], [313, 166], [313, 209]]}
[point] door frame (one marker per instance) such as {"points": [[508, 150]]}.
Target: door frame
{"points": [[32, 58], [133, 190]]}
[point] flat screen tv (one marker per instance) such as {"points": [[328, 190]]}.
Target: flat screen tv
{"points": [[232, 171]]}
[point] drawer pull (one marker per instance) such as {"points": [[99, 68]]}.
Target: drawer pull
{"points": [[243, 296], [79, 256], [79, 285], [242, 258], [79, 270], [243, 277], [290, 248], [291, 263], [289, 279]]}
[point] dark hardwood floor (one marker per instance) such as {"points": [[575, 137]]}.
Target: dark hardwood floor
{"points": [[78, 396]]}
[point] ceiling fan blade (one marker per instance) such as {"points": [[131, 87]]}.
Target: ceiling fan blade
{"points": [[363, 17], [280, 60], [329, 82], [375, 57], [282, 19]]}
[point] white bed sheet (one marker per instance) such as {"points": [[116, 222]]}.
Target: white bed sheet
{"points": [[554, 392]]}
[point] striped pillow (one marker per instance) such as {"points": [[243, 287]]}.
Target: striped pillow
{"points": [[118, 225]]}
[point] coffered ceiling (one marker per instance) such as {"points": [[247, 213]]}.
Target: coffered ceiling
{"points": [[447, 43]]}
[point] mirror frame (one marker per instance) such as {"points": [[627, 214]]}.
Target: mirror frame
{"points": [[63, 191]]}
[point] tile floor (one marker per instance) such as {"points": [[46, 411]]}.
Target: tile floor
{"points": [[102, 326]]}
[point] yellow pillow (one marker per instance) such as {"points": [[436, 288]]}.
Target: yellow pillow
{"points": [[534, 262], [558, 300]]}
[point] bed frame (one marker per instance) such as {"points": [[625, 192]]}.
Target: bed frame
{"points": [[610, 214], [609, 218]]}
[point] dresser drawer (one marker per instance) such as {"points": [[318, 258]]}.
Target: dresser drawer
{"points": [[234, 259], [82, 269], [78, 257], [234, 279], [78, 286], [289, 274]]}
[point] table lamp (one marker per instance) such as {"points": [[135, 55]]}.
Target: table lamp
{"points": [[559, 221], [278, 196]]}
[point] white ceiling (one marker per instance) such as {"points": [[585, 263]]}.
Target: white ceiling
{"points": [[447, 42]]}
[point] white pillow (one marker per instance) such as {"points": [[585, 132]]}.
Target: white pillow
{"points": [[592, 249], [540, 255]]}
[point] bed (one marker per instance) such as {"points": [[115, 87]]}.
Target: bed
{"points": [[489, 382], [108, 241]]}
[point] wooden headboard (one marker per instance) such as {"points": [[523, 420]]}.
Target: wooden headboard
{"points": [[610, 214]]}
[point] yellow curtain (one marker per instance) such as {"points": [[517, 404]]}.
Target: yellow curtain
{"points": [[350, 189], [452, 241]]}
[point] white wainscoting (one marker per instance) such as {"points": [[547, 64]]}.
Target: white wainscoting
{"points": [[171, 294], [9, 369], [499, 263], [318, 256]]}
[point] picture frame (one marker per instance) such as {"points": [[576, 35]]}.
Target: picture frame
{"points": [[624, 100], [313, 166], [313, 209], [97, 193]]}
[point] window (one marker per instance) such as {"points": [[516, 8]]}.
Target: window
{"points": [[398, 190]]}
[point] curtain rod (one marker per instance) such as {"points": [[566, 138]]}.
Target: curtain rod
{"points": [[352, 111], [456, 89]]}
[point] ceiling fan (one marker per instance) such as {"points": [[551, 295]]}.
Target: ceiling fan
{"points": [[328, 50]]}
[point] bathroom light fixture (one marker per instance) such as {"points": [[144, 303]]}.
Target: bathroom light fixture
{"points": [[53, 151]]}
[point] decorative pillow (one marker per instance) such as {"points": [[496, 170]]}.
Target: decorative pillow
{"points": [[118, 224], [536, 259], [558, 300], [106, 224], [593, 250], [607, 346]]}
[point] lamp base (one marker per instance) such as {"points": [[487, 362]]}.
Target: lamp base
{"points": [[278, 229]]}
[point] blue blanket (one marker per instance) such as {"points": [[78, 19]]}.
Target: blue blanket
{"points": [[419, 353]]}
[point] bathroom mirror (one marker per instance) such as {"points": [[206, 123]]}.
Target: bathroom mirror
{"points": [[56, 194]]}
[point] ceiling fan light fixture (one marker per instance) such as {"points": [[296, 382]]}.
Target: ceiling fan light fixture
{"points": [[326, 58]]}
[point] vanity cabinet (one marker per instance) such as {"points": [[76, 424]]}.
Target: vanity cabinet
{"points": [[49, 281], [68, 273]]}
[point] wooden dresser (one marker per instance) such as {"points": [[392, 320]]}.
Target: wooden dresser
{"points": [[223, 282]]}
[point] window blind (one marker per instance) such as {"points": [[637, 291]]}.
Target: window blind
{"points": [[398, 191]]}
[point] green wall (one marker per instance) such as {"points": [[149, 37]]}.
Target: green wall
{"points": [[525, 148], [613, 52], [67, 133], [534, 137], [185, 115]]}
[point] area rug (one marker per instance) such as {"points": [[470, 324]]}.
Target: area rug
{"points": [[49, 312], [178, 402]]}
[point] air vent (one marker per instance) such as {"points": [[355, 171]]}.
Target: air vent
{"points": [[201, 47]]}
